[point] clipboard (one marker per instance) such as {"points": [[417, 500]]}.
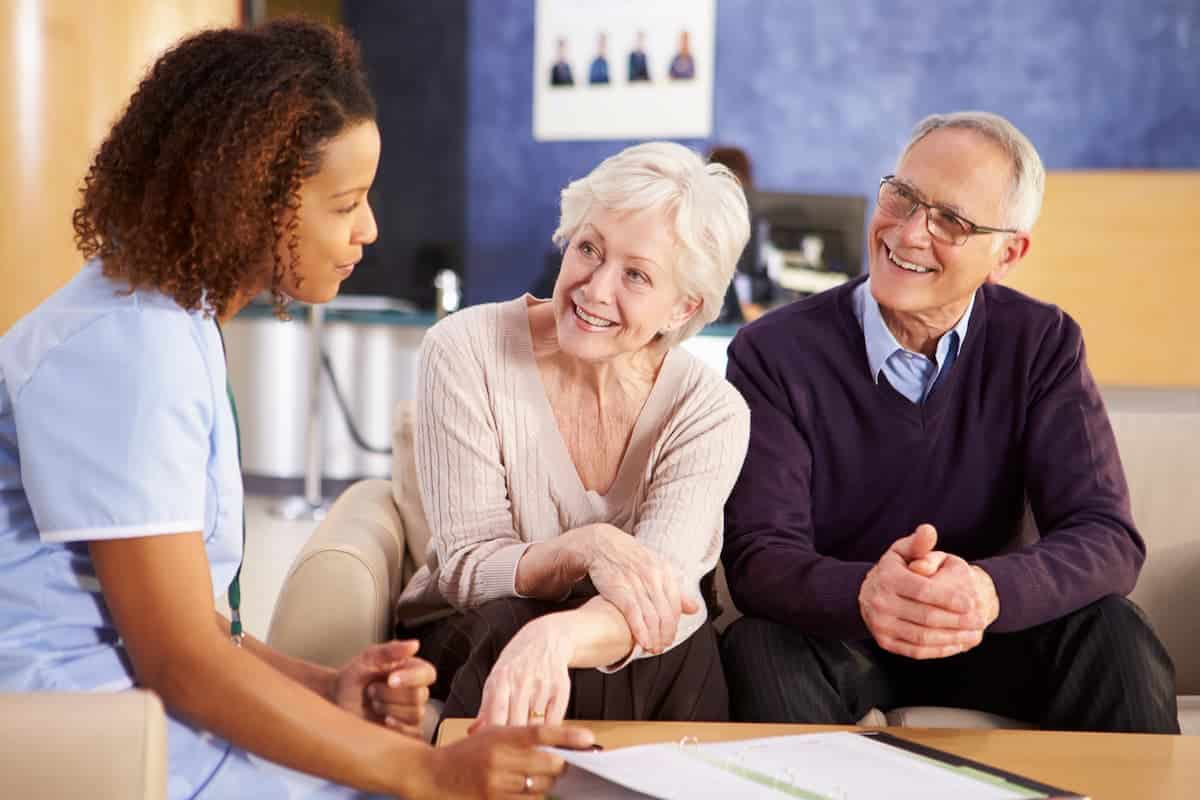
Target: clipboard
{"points": [[941, 757], [818, 766]]}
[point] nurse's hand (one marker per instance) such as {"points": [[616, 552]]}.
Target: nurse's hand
{"points": [[386, 683], [501, 763], [529, 683]]}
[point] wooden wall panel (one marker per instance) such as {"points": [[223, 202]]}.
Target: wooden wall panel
{"points": [[1120, 251], [66, 69]]}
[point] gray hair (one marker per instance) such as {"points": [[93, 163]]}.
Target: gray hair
{"points": [[704, 204], [1024, 199]]}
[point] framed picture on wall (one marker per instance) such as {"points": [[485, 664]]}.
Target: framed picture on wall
{"points": [[623, 69]]}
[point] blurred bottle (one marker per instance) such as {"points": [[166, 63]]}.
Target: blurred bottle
{"points": [[447, 295]]}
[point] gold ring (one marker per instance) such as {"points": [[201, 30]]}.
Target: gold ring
{"points": [[537, 714]]}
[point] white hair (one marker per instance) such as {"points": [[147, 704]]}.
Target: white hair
{"points": [[704, 205], [1024, 199]]}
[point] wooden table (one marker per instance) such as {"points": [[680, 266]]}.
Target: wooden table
{"points": [[1104, 766]]}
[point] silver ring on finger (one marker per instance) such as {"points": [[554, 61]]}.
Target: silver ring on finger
{"points": [[528, 784]]}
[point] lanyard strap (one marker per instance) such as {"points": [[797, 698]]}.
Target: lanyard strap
{"points": [[235, 586]]}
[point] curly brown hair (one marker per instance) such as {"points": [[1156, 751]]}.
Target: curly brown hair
{"points": [[190, 190]]}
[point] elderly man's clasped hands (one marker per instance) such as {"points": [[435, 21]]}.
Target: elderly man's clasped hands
{"points": [[925, 603]]}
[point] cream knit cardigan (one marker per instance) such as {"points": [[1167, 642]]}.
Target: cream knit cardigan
{"points": [[496, 476]]}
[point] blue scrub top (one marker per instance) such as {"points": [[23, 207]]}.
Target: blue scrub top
{"points": [[115, 423]]}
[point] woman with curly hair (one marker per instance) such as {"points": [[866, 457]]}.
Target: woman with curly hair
{"points": [[241, 164]]}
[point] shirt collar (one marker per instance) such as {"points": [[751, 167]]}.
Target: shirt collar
{"points": [[882, 344]]}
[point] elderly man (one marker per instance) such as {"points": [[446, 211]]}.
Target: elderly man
{"points": [[899, 426]]}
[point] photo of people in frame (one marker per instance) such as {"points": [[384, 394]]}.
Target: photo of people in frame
{"points": [[639, 69], [598, 73], [623, 69], [683, 66], [560, 73]]}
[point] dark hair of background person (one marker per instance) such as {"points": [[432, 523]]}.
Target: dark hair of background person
{"points": [[189, 191], [738, 162]]}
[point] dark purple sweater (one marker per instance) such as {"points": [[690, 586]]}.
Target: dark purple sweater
{"points": [[839, 467]]}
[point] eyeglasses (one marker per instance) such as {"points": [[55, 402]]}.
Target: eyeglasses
{"points": [[899, 201]]}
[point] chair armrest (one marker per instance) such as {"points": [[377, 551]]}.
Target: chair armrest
{"points": [[339, 595], [103, 746]]}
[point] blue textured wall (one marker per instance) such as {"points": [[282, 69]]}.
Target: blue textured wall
{"points": [[822, 94], [414, 52]]}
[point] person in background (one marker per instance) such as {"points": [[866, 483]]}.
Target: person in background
{"points": [[733, 311], [901, 423], [241, 164], [683, 66], [757, 290], [574, 460]]}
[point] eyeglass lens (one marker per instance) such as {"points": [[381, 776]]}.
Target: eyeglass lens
{"points": [[896, 201]]}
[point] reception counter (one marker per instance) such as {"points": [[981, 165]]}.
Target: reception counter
{"points": [[373, 359]]}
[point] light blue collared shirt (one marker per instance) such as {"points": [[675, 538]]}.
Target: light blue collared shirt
{"points": [[911, 374]]}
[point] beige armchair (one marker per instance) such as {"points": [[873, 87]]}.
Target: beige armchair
{"points": [[106, 746], [340, 592]]}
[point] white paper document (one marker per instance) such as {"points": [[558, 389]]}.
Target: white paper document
{"points": [[824, 766]]}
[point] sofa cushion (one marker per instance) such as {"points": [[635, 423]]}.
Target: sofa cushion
{"points": [[1158, 433], [944, 717], [406, 491], [98, 745], [940, 717], [1189, 714], [339, 592]]}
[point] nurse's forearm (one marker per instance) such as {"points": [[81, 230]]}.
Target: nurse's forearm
{"points": [[243, 698], [159, 592], [317, 678]]}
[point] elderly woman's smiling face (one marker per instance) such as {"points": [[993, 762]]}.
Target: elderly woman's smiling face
{"points": [[617, 288]]}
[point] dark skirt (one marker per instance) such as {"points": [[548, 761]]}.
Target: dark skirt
{"points": [[685, 683]]}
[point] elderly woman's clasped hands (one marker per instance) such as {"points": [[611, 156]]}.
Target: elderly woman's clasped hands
{"points": [[530, 682]]}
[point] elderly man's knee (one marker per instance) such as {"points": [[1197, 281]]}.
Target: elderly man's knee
{"points": [[1120, 615], [1116, 622]]}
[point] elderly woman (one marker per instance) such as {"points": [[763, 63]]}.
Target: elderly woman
{"points": [[574, 462]]}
